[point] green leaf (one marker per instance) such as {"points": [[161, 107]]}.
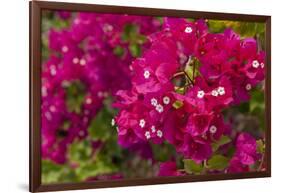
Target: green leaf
{"points": [[177, 104], [244, 107], [257, 100], [162, 152], [75, 96], [129, 32], [140, 39], [218, 162], [100, 126], [216, 26], [80, 151], [51, 172], [191, 167], [180, 90], [222, 141], [135, 50], [260, 146], [118, 51], [93, 169]]}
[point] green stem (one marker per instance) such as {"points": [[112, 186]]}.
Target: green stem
{"points": [[186, 75], [261, 163]]}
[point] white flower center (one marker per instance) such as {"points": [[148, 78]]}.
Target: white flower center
{"points": [[166, 100], [64, 49], [146, 74], [142, 123], [248, 87], [75, 60], [112, 122], [153, 129], [153, 102], [159, 108], [200, 94], [82, 62], [221, 90], [255, 64], [147, 135], [159, 133], [188, 30], [214, 93], [213, 129]]}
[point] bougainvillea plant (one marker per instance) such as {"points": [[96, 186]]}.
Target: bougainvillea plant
{"points": [[180, 87], [133, 96]]}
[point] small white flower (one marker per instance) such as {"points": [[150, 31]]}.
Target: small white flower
{"points": [[159, 108], [153, 129], [75, 60], [213, 129], [142, 123], [262, 65], [112, 122], [248, 87], [153, 102], [255, 64], [188, 30], [214, 93], [166, 100], [64, 49], [88, 101], [221, 90], [159, 133], [147, 135], [82, 62], [146, 74], [200, 94]]}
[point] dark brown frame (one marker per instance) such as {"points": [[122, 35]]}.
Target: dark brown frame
{"points": [[36, 7]]}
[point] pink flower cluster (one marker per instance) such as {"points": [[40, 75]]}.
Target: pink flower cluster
{"points": [[82, 61], [189, 116], [245, 155]]}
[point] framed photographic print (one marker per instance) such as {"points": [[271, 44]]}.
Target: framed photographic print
{"points": [[123, 96]]}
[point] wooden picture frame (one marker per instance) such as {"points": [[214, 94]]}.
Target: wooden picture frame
{"points": [[36, 8]]}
